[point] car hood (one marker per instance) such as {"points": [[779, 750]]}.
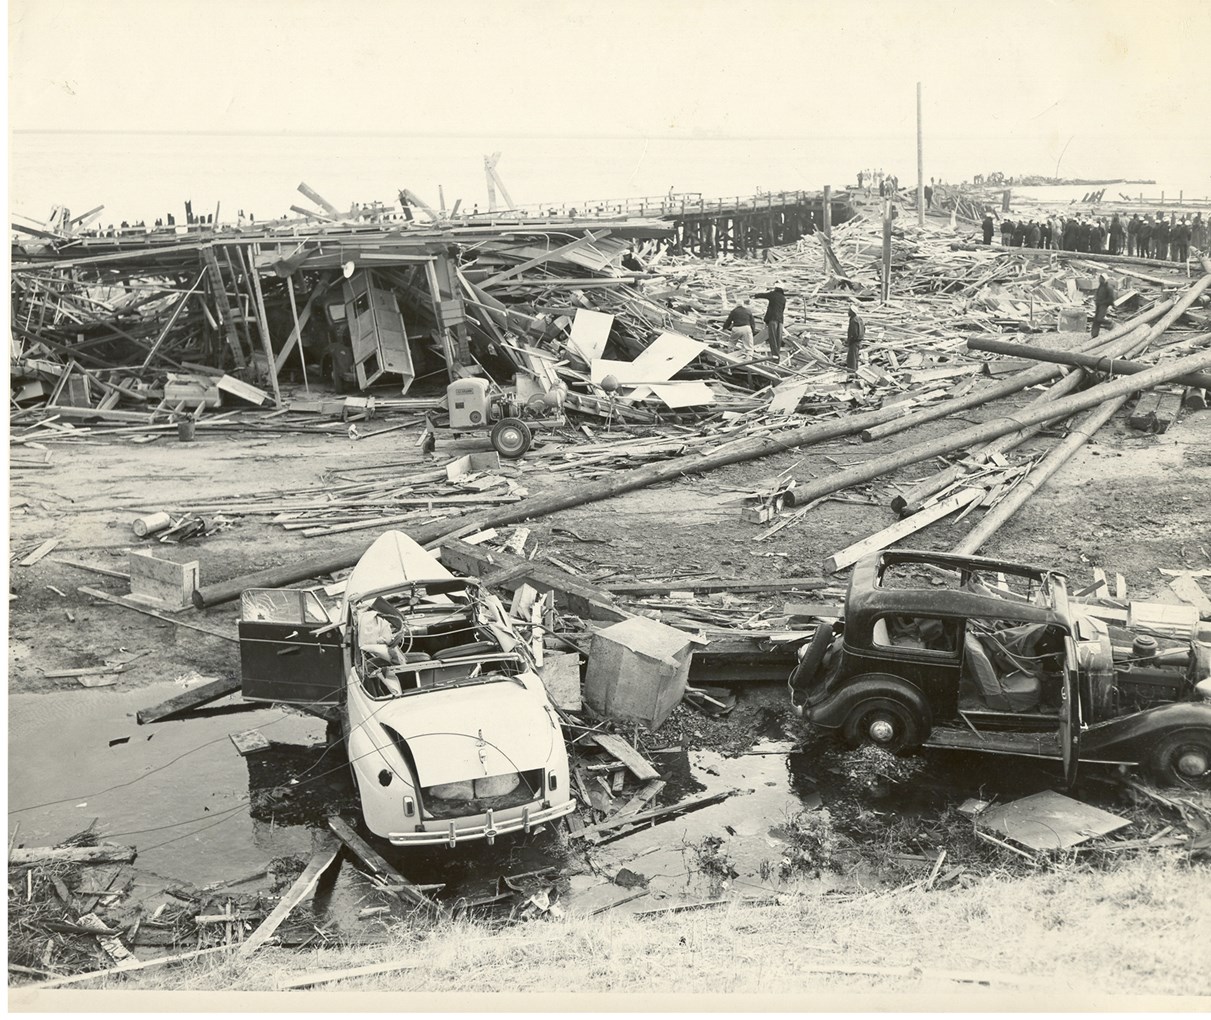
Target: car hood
{"points": [[471, 732], [392, 561]]}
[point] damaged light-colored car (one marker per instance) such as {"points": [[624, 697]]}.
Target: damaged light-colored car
{"points": [[449, 731]]}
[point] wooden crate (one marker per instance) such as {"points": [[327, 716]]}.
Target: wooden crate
{"points": [[637, 671], [162, 583]]}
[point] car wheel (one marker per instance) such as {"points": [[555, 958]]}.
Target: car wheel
{"points": [[804, 674], [1183, 759], [511, 437], [883, 722]]}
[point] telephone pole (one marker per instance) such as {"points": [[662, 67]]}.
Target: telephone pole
{"points": [[920, 165]]}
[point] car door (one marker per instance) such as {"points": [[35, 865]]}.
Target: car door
{"points": [[1070, 712], [292, 649]]}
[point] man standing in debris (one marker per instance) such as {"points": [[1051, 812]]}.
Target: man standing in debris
{"points": [[1102, 301], [1116, 236], [1006, 232], [1160, 238], [740, 322], [629, 261], [1180, 241], [853, 342], [1033, 235], [775, 311], [1145, 237], [986, 226], [1133, 233]]}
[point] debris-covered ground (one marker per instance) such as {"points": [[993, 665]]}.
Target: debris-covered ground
{"points": [[752, 807]]}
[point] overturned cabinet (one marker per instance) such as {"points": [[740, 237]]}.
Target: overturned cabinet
{"points": [[376, 330]]}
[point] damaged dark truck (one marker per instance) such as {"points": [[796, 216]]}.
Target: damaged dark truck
{"points": [[975, 653]]}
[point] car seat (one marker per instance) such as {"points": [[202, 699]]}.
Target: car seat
{"points": [[1013, 691]]}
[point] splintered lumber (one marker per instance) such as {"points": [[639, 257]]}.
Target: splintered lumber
{"points": [[787, 584], [320, 862], [595, 832], [1020, 381], [102, 853], [901, 529], [588, 238], [633, 806], [196, 698], [135, 965], [109, 941], [1081, 432], [498, 568], [615, 745], [1105, 365], [377, 865], [986, 431], [562, 498], [122, 600]]}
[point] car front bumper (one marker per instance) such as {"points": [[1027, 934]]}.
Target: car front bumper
{"points": [[452, 834]]}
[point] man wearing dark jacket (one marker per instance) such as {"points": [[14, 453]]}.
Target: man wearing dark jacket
{"points": [[1102, 301], [853, 341], [1006, 232], [1133, 233], [775, 311], [1145, 238], [1116, 236], [1160, 238], [1019, 233], [740, 322], [1070, 234], [1179, 240], [1084, 236], [986, 226]]}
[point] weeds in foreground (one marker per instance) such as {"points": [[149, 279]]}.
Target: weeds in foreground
{"points": [[812, 844]]}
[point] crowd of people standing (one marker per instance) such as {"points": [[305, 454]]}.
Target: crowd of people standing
{"points": [[1147, 237]]}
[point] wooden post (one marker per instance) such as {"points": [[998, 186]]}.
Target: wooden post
{"points": [[263, 327], [920, 165], [828, 211]]}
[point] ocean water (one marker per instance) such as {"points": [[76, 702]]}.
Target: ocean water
{"points": [[144, 176]]}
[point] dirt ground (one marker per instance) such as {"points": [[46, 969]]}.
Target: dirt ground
{"points": [[1128, 502]]}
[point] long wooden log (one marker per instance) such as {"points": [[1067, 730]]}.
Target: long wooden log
{"points": [[1106, 365], [102, 853], [1080, 434], [735, 452]]}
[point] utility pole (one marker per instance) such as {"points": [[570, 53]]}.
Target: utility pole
{"points": [[828, 211], [886, 281], [920, 165]]}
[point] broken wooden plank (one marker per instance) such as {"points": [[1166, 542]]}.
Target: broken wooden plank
{"points": [[110, 944], [1188, 590], [42, 550], [377, 865], [195, 698], [615, 745], [122, 600], [163, 961], [320, 862], [101, 853], [320, 977], [901, 529], [636, 804], [95, 569], [600, 829], [737, 586]]}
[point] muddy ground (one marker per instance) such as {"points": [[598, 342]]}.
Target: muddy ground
{"points": [[1129, 503]]}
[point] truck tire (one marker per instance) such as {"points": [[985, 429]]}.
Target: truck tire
{"points": [[511, 437], [1183, 759], [885, 722]]}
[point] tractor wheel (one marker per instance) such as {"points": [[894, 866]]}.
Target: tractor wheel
{"points": [[511, 437]]}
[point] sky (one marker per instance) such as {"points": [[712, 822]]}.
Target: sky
{"points": [[1111, 86]]}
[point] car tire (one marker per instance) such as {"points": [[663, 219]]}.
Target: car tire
{"points": [[883, 722], [1183, 759], [806, 669], [511, 437]]}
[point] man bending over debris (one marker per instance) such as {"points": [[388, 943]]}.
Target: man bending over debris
{"points": [[775, 311], [1102, 301], [853, 340], [740, 322]]}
